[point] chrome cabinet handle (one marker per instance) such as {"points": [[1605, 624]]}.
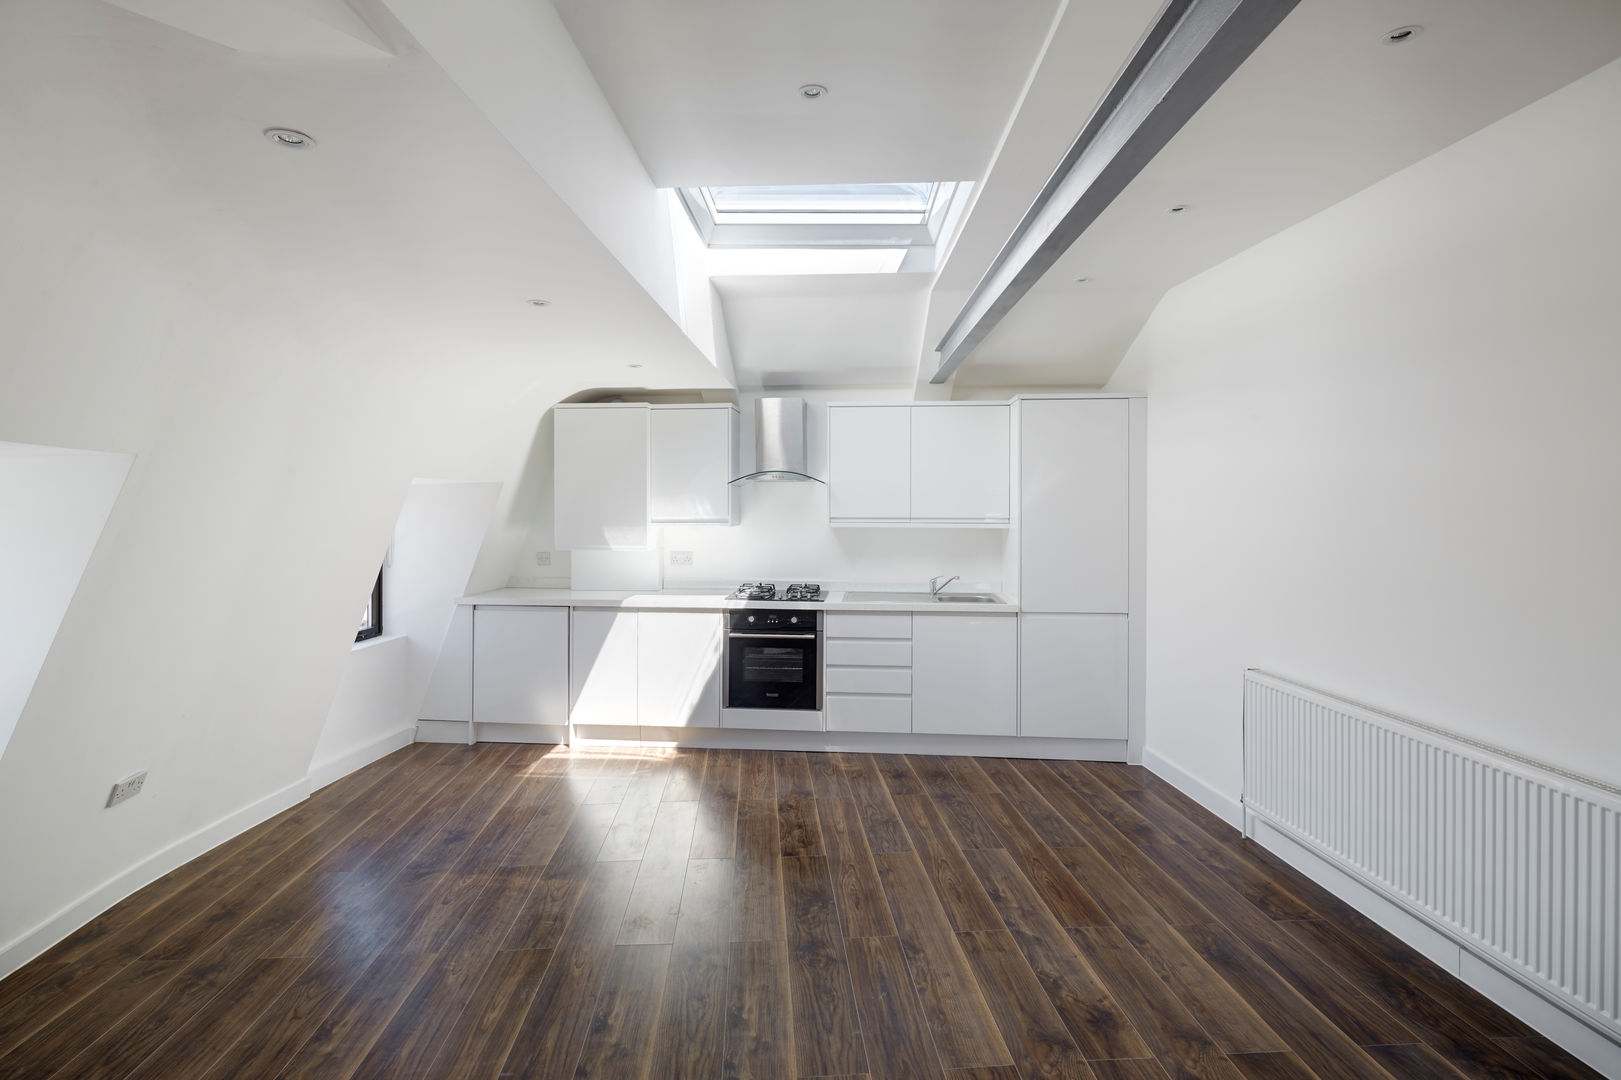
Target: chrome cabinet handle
{"points": [[770, 637]]}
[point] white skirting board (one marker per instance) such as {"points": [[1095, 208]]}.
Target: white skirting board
{"points": [[336, 769], [1574, 1036], [1229, 810], [455, 731], [854, 742], [17, 952]]}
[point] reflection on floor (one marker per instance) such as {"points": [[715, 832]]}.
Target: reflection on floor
{"points": [[530, 911]]}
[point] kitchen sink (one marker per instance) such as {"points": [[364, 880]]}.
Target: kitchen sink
{"points": [[923, 598]]}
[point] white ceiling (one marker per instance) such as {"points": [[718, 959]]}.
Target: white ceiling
{"points": [[708, 90], [824, 329], [1322, 110]]}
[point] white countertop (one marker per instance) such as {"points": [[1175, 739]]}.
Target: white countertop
{"points": [[716, 601]]}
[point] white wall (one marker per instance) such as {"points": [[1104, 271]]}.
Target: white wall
{"points": [[282, 340], [54, 503], [1384, 451], [368, 714]]}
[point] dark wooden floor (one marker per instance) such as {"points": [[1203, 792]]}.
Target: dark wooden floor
{"points": [[534, 912]]}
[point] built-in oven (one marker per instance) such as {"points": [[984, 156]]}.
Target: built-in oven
{"points": [[774, 659]]}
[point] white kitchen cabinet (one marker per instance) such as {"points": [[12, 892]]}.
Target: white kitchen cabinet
{"points": [[960, 463], [869, 712], [869, 462], [1072, 676], [600, 477], [965, 674], [678, 668], [603, 667], [520, 665], [1074, 505], [692, 459]]}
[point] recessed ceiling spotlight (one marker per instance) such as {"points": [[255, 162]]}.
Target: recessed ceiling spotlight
{"points": [[633, 365], [292, 140], [538, 303], [1179, 208], [1082, 280], [811, 91], [1403, 34]]}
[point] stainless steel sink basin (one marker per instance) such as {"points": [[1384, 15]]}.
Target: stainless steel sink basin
{"points": [[923, 598]]}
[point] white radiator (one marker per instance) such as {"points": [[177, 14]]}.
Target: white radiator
{"points": [[1518, 862]]}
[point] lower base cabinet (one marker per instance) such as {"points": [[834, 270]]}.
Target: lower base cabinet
{"points": [[965, 674], [520, 665], [1072, 676], [647, 669], [602, 668], [678, 669]]}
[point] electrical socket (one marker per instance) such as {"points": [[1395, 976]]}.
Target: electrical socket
{"points": [[680, 558], [127, 788], [543, 558]]}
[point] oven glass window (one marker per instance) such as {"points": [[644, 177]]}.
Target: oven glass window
{"points": [[772, 664]]}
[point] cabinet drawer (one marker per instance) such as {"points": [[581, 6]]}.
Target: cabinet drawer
{"points": [[869, 653], [857, 712], [868, 680], [841, 624]]}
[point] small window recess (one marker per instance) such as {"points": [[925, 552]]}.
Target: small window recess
{"points": [[371, 620]]}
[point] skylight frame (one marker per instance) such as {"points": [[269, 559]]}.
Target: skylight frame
{"points": [[811, 229]]}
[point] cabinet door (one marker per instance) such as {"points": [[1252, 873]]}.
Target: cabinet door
{"points": [[600, 474], [520, 665], [960, 462], [1074, 505], [1072, 676], [869, 463], [678, 669], [691, 462], [602, 668], [965, 674]]}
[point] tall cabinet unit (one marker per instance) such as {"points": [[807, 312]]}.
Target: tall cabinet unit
{"points": [[1075, 539]]}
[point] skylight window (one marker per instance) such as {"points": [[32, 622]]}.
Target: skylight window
{"points": [[909, 216], [823, 204]]}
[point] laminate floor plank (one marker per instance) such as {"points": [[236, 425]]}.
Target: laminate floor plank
{"points": [[757, 874], [827, 1030], [863, 910], [554, 1030], [896, 1033], [1042, 1046], [885, 833], [759, 1028], [1097, 1023], [690, 1034], [964, 1030], [697, 914], [619, 1041], [1284, 1066], [655, 902], [953, 879]]}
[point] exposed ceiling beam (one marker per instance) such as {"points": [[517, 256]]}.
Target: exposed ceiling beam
{"points": [[1193, 47]]}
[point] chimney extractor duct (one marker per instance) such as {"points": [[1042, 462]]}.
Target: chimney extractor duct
{"points": [[779, 441]]}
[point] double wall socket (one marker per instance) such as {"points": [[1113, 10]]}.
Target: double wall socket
{"points": [[127, 788], [680, 558]]}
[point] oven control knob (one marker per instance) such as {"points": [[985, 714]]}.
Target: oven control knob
{"points": [[751, 618], [794, 619]]}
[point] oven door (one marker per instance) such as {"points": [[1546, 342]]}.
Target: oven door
{"points": [[773, 671]]}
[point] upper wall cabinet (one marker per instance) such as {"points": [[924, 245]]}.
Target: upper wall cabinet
{"points": [[869, 462], [620, 468], [960, 463], [692, 460], [600, 471], [945, 464]]}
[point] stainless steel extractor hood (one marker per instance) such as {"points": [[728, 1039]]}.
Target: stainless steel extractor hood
{"points": [[779, 441]]}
